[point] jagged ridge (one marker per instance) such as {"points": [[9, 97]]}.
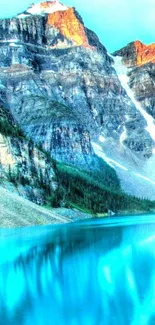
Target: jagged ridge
{"points": [[137, 53]]}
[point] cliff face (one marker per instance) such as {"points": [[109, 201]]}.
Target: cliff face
{"points": [[69, 26], [22, 163], [57, 29], [137, 54], [140, 59], [145, 54]]}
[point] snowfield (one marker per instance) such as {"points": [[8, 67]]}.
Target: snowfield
{"points": [[38, 9]]}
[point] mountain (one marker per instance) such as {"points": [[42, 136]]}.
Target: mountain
{"points": [[135, 68], [70, 98], [139, 60]]}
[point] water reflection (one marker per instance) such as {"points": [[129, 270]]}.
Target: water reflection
{"points": [[88, 273]]}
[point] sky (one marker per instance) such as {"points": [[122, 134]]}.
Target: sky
{"points": [[116, 22]]}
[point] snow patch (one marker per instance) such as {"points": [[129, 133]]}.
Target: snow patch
{"points": [[123, 136], [52, 6], [101, 139], [14, 45], [23, 16], [112, 163], [146, 178], [122, 75], [111, 56], [10, 41]]}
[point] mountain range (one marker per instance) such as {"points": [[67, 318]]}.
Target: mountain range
{"points": [[76, 122]]}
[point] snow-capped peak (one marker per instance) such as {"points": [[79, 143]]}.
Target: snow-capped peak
{"points": [[47, 7]]}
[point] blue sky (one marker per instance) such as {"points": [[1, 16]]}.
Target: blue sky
{"points": [[117, 22]]}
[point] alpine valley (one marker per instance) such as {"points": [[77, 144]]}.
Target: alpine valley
{"points": [[77, 124]]}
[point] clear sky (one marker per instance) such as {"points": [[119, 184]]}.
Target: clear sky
{"points": [[116, 22]]}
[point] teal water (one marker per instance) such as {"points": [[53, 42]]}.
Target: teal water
{"points": [[95, 272]]}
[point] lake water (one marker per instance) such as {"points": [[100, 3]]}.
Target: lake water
{"points": [[95, 272]]}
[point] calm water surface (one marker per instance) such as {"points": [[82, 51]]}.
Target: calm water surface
{"points": [[95, 272]]}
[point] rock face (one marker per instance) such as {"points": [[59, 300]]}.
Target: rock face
{"points": [[137, 54], [140, 59], [69, 26], [22, 163], [60, 86]]}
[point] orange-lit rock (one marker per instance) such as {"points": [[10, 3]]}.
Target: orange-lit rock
{"points": [[145, 53], [69, 26]]}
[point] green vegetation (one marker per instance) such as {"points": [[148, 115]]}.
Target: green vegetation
{"points": [[77, 207], [105, 175], [95, 191], [61, 111], [17, 178], [92, 191], [56, 110], [8, 129]]}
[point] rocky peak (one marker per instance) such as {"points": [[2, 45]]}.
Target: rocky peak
{"points": [[63, 19], [137, 54], [145, 53], [139, 60]]}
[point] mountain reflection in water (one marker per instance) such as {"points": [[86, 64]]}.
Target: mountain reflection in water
{"points": [[96, 272]]}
